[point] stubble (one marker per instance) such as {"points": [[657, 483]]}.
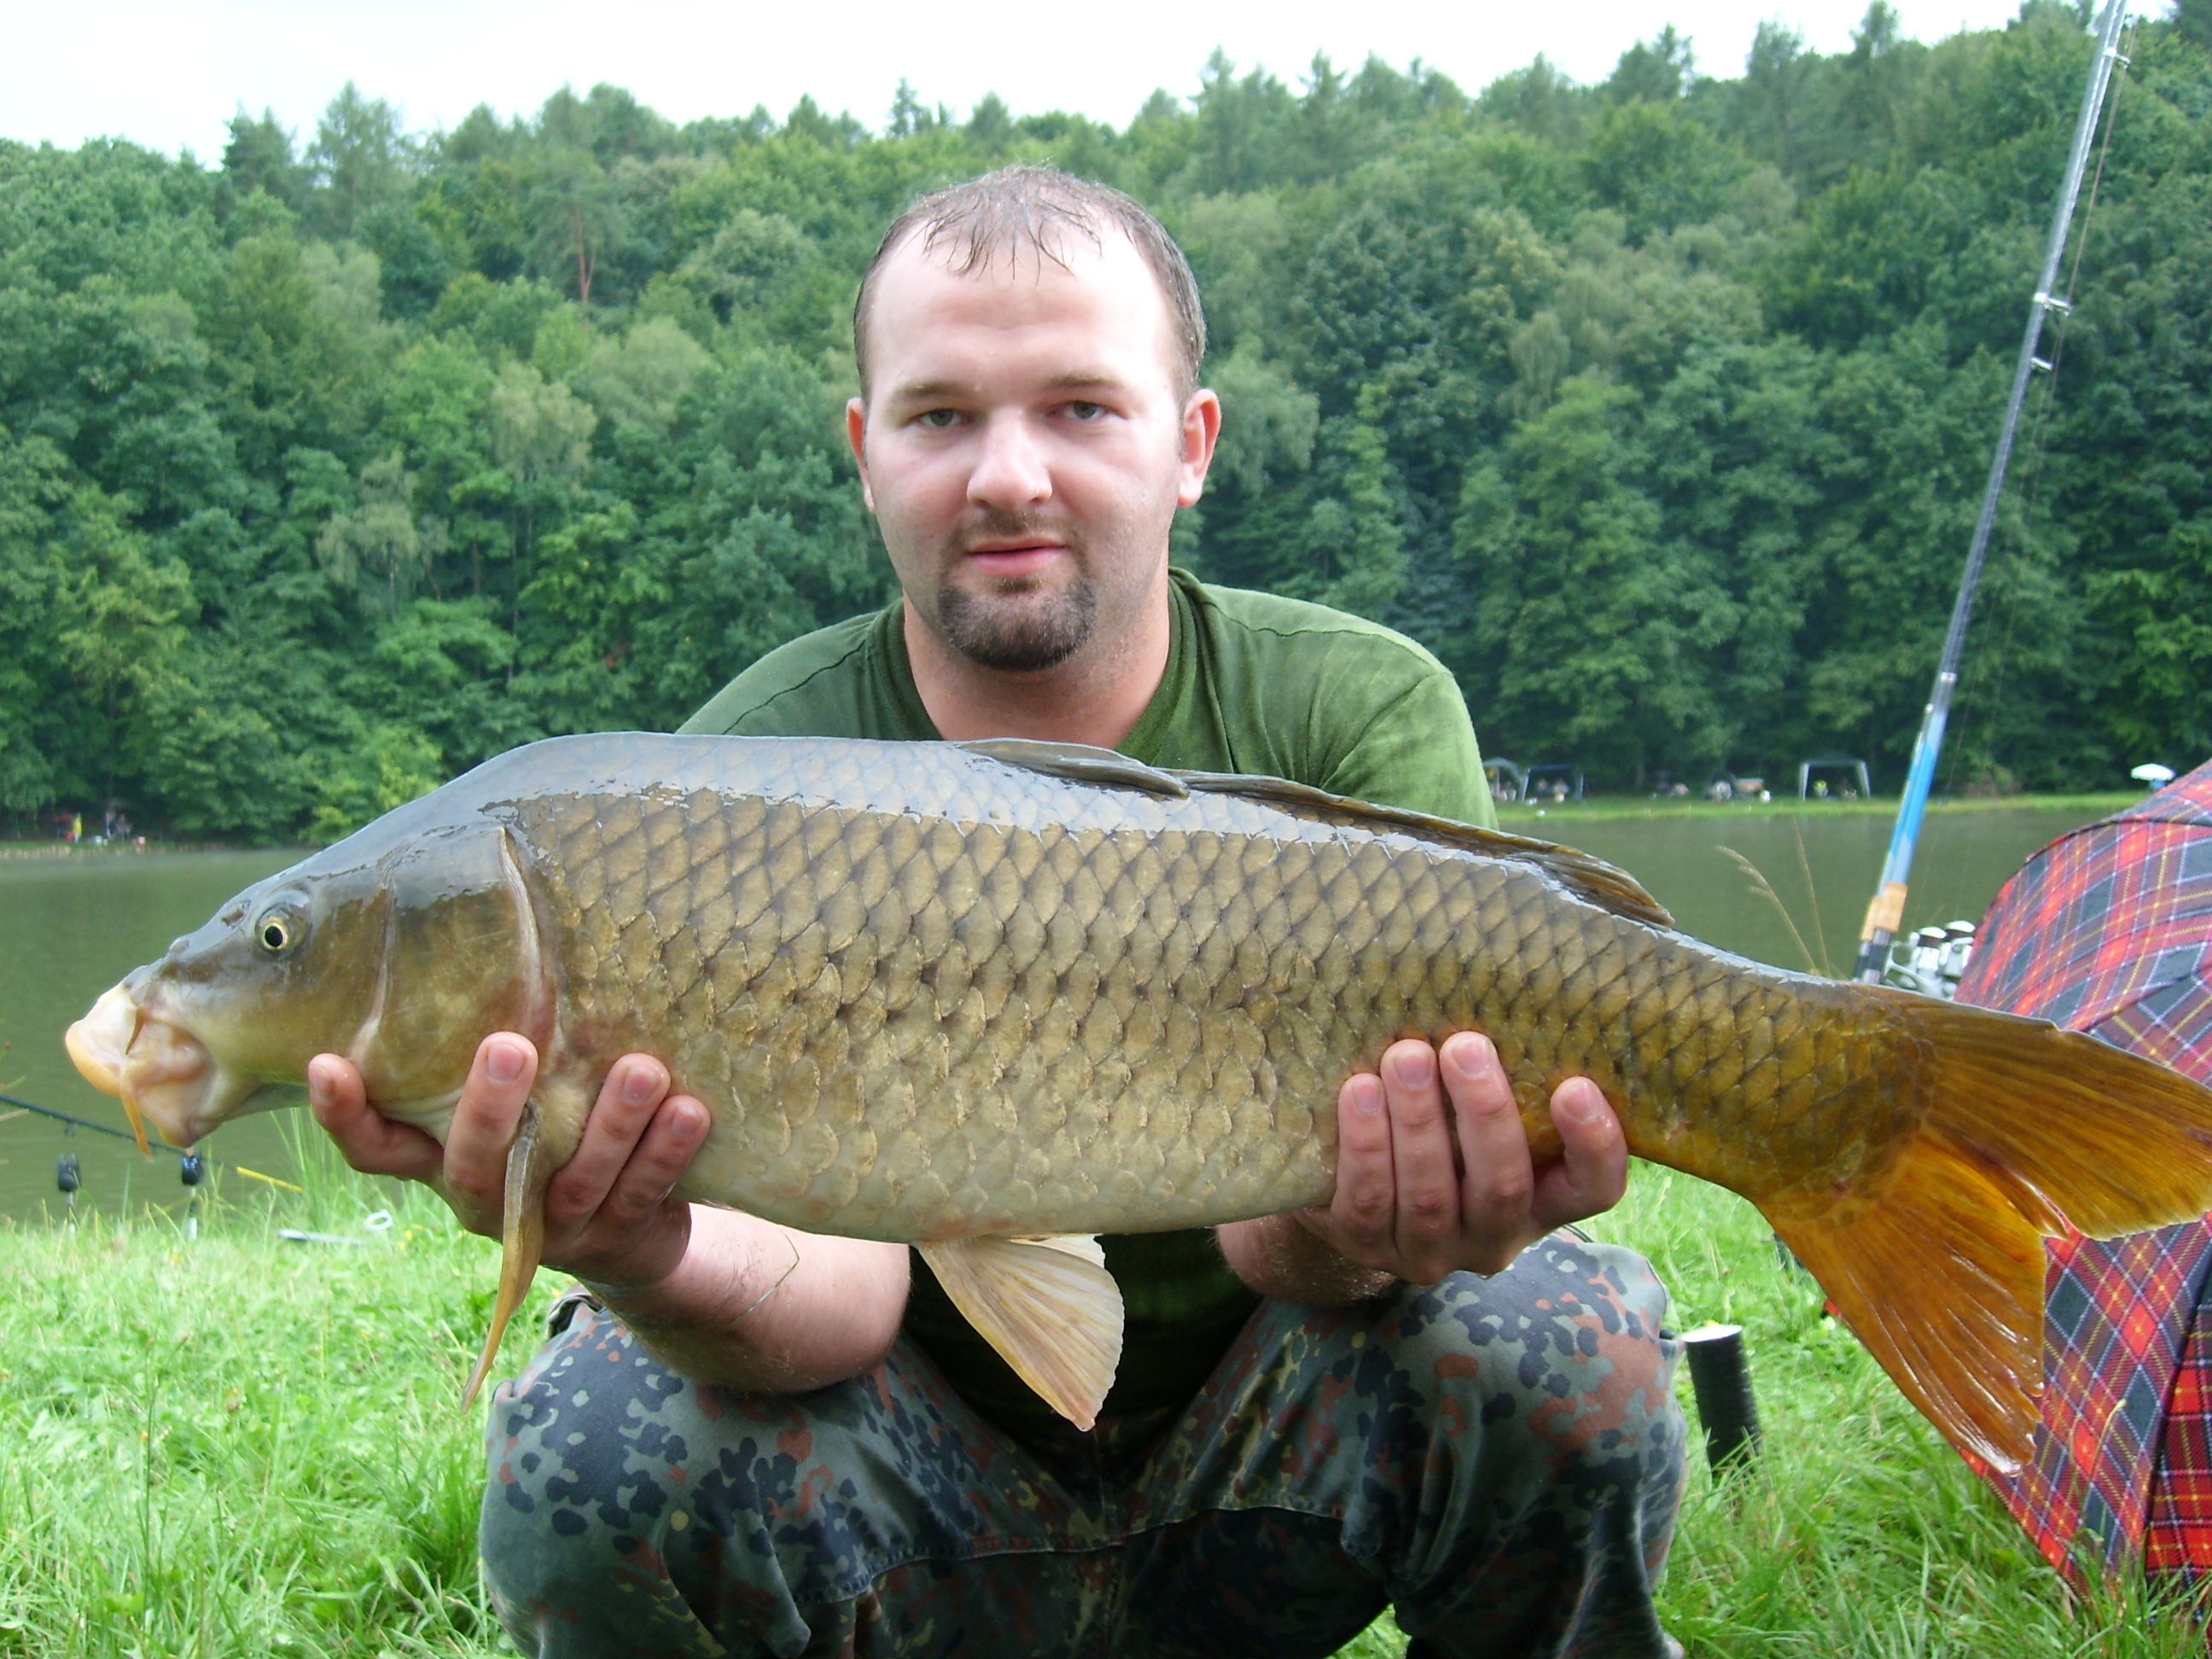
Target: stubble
{"points": [[1021, 625]]}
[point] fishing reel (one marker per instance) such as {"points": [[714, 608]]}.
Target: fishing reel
{"points": [[1930, 960]]}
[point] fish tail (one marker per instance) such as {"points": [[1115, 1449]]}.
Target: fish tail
{"points": [[1936, 1261], [530, 1167]]}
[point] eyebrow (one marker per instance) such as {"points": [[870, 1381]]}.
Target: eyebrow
{"points": [[1079, 380], [924, 391], [1090, 380]]}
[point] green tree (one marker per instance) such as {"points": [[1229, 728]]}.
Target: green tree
{"points": [[1591, 630], [1660, 406], [258, 156], [360, 159], [2192, 21], [379, 549]]}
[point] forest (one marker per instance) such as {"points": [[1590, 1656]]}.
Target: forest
{"points": [[1659, 408]]}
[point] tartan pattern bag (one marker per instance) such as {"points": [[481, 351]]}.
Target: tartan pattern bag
{"points": [[2109, 931]]}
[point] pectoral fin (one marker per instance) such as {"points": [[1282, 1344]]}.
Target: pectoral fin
{"points": [[1047, 1305], [530, 1165]]}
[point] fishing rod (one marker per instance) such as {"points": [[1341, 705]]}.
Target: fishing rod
{"points": [[152, 1141], [193, 1165], [1885, 913]]}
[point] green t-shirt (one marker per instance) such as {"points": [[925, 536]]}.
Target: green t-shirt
{"points": [[1254, 684]]}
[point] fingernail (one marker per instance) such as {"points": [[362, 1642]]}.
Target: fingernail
{"points": [[1411, 1069], [1366, 1095], [1469, 1052], [640, 1085], [503, 1062], [1580, 1105], [318, 1081]]}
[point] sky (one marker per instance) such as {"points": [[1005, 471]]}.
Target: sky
{"points": [[169, 75]]}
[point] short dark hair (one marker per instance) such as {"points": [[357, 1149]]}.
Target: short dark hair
{"points": [[1031, 208]]}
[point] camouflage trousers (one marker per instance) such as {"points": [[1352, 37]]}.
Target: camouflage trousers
{"points": [[1500, 1459]]}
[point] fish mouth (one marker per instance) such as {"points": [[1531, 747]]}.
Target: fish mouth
{"points": [[156, 1066]]}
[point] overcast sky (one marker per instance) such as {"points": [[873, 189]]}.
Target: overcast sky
{"points": [[168, 74]]}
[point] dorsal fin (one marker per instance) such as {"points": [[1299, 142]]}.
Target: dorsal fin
{"points": [[1079, 762], [1588, 878]]}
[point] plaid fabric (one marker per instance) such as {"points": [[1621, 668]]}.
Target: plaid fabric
{"points": [[2109, 930], [2178, 1529]]}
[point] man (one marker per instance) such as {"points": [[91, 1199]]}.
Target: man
{"points": [[749, 1440]]}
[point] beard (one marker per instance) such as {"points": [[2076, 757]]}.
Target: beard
{"points": [[993, 631], [1020, 626]]}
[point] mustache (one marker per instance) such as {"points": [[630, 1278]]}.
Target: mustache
{"points": [[996, 524]]}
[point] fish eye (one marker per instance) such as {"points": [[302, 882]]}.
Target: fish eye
{"points": [[279, 929]]}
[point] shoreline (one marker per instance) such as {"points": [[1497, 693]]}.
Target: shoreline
{"points": [[62, 849], [1601, 808], [1595, 809]]}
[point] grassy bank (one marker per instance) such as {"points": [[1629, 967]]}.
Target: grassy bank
{"points": [[239, 1446], [1519, 815]]}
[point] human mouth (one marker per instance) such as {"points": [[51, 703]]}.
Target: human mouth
{"points": [[1013, 558]]}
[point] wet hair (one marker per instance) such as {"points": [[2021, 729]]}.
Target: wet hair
{"points": [[1032, 210]]}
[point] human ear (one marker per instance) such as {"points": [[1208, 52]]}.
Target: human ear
{"points": [[1201, 430], [856, 434]]}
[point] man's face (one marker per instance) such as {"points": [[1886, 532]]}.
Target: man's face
{"points": [[1024, 446]]}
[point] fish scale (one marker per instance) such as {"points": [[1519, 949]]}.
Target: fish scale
{"points": [[963, 993], [1005, 953]]}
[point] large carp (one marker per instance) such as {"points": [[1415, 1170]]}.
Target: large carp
{"points": [[991, 998]]}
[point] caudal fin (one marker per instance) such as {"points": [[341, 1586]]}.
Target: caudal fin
{"points": [[1937, 1264]]}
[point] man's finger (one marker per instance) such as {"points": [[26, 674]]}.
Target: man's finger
{"points": [[1361, 1215], [1426, 1221], [484, 1118], [663, 1152], [1592, 1171], [367, 1140], [633, 1091], [1500, 1179]]}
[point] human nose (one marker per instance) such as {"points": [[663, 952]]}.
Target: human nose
{"points": [[1010, 473]]}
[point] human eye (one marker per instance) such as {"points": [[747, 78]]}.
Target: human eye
{"points": [[938, 420], [1083, 410]]}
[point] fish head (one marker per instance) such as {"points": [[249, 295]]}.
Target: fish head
{"points": [[400, 952], [278, 974]]}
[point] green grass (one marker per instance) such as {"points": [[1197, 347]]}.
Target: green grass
{"points": [[1859, 1531], [236, 1445]]}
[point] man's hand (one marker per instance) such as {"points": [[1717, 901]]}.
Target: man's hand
{"points": [[608, 1218], [1423, 1191], [1416, 1201], [723, 1298]]}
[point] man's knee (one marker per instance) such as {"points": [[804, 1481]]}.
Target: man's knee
{"points": [[1569, 1342], [1548, 1440], [589, 1452], [622, 1496]]}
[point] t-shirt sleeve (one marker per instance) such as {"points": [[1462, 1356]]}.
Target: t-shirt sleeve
{"points": [[1419, 753], [724, 713], [816, 685]]}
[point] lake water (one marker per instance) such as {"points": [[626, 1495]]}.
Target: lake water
{"points": [[72, 926]]}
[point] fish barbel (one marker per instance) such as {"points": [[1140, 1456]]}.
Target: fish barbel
{"points": [[995, 998]]}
